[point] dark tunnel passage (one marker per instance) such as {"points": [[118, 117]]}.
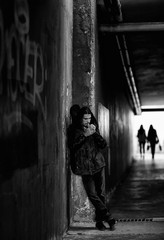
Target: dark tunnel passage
{"points": [[56, 53]]}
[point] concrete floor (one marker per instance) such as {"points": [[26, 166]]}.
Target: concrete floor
{"points": [[142, 193], [137, 204]]}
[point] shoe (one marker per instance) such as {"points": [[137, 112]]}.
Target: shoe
{"points": [[100, 226], [111, 223]]}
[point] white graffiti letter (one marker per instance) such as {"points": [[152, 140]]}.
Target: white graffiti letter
{"points": [[29, 72], [12, 58], [21, 15]]}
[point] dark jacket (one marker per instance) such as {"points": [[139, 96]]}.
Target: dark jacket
{"points": [[87, 158], [152, 136], [141, 136]]}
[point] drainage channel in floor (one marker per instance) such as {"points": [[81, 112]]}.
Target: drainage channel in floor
{"points": [[156, 219], [90, 225]]}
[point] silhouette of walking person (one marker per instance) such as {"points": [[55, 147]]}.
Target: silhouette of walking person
{"points": [[153, 139], [142, 140]]}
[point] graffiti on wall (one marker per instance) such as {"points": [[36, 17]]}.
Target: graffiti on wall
{"points": [[23, 77], [23, 59]]}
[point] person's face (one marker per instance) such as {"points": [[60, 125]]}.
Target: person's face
{"points": [[86, 120]]}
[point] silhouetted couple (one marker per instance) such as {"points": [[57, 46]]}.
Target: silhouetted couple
{"points": [[152, 138]]}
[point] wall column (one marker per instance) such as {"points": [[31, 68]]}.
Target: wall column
{"points": [[83, 87]]}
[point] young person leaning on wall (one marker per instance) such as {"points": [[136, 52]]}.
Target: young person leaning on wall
{"points": [[85, 144]]}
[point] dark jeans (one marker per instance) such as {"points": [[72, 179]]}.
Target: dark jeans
{"points": [[152, 145], [142, 147], [95, 189]]}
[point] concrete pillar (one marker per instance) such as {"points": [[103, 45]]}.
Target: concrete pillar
{"points": [[84, 53], [83, 86]]}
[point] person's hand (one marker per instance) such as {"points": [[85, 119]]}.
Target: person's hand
{"points": [[92, 127], [89, 130]]}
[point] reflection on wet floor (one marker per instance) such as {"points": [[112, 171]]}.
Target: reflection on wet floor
{"points": [[141, 195]]}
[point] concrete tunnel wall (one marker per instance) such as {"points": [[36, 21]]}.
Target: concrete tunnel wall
{"points": [[117, 96], [36, 93], [100, 83], [35, 97]]}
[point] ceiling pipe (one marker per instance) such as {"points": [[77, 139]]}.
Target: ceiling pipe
{"points": [[131, 82], [131, 73], [114, 9], [152, 109], [133, 27]]}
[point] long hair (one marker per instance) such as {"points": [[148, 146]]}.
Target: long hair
{"points": [[86, 110]]}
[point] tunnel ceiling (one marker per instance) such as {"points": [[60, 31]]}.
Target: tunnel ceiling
{"points": [[142, 25]]}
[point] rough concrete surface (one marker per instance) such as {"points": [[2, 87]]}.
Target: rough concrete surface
{"points": [[125, 230]]}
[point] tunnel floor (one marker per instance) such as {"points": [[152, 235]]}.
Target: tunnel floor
{"points": [[137, 204], [141, 195]]}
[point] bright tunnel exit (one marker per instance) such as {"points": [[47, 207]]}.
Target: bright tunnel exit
{"points": [[156, 118]]}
